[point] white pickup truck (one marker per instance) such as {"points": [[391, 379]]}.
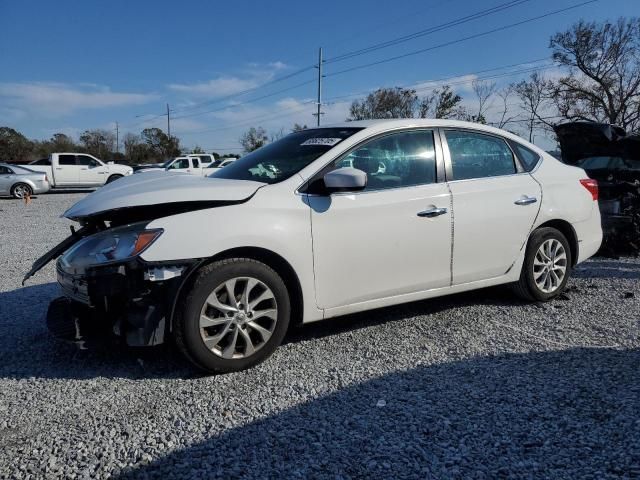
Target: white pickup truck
{"points": [[191, 164], [74, 170]]}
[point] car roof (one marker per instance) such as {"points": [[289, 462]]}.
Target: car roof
{"points": [[380, 126]]}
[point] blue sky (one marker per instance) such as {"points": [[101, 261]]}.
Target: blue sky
{"points": [[67, 66]]}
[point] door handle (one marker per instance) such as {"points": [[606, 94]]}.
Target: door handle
{"points": [[526, 200], [432, 212]]}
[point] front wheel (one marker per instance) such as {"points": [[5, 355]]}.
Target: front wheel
{"points": [[235, 316], [547, 266], [113, 178]]}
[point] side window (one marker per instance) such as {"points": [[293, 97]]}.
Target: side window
{"points": [[475, 155], [204, 159], [67, 159], [397, 160], [528, 158], [5, 170], [196, 162], [86, 161], [180, 163]]}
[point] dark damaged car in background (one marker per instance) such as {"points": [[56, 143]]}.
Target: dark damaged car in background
{"points": [[612, 157]]}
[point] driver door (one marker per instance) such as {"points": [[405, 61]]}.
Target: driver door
{"points": [[385, 240], [91, 171]]}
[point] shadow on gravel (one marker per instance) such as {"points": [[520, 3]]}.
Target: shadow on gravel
{"points": [[622, 270], [559, 414]]}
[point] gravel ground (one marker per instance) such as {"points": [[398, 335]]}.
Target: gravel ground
{"points": [[477, 385]]}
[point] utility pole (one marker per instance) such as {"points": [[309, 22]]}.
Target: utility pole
{"points": [[319, 67], [168, 122], [117, 138]]}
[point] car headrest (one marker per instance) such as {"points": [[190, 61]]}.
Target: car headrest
{"points": [[366, 164]]}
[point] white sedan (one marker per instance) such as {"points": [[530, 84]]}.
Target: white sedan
{"points": [[288, 234]]}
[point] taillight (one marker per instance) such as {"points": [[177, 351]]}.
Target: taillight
{"points": [[591, 185]]}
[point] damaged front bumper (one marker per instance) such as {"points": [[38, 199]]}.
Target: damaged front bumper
{"points": [[132, 301]]}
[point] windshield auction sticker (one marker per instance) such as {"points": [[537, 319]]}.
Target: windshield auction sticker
{"points": [[326, 142]]}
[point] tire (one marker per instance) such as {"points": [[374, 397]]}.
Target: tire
{"points": [[527, 287], [113, 178], [21, 190], [211, 283]]}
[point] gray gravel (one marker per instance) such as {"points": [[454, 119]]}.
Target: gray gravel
{"points": [[476, 385]]}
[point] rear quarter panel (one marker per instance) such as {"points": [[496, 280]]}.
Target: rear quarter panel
{"points": [[565, 198]]}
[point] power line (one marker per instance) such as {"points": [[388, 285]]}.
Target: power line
{"points": [[428, 31], [271, 116], [447, 80], [463, 39], [247, 101]]}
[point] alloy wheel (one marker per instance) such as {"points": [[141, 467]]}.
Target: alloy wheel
{"points": [[550, 265], [21, 191], [238, 317]]}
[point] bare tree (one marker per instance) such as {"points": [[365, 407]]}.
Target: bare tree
{"points": [[298, 128], [253, 139], [505, 95], [484, 91], [603, 83], [277, 135], [535, 100]]}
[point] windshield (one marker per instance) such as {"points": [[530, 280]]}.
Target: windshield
{"points": [[283, 158]]}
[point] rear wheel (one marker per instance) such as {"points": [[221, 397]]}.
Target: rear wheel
{"points": [[235, 316], [113, 178], [547, 266], [21, 190]]}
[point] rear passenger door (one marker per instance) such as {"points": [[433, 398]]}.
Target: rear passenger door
{"points": [[495, 203], [67, 172]]}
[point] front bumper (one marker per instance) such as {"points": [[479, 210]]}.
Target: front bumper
{"points": [[131, 301]]}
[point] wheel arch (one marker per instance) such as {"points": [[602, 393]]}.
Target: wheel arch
{"points": [[22, 182], [569, 232], [269, 258]]}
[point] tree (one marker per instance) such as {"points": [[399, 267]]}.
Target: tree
{"points": [[484, 91], [277, 135], [160, 146], [197, 149], [298, 128], [135, 150], [603, 83], [98, 142], [505, 94], [253, 139], [385, 103], [13, 145], [442, 103], [535, 97]]}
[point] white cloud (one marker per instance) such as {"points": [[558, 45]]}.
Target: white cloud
{"points": [[223, 85], [57, 99]]}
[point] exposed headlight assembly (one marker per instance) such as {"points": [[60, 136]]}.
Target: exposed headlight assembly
{"points": [[112, 245]]}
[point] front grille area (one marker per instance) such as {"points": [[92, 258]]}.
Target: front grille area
{"points": [[73, 287]]}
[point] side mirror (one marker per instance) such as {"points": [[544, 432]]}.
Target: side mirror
{"points": [[345, 179]]}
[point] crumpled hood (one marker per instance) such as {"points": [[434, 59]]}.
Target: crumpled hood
{"points": [[166, 193]]}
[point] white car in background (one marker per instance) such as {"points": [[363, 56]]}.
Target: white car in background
{"points": [[226, 263], [217, 165], [185, 164]]}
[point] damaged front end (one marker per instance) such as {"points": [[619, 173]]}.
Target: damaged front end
{"points": [[611, 157], [109, 291]]}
